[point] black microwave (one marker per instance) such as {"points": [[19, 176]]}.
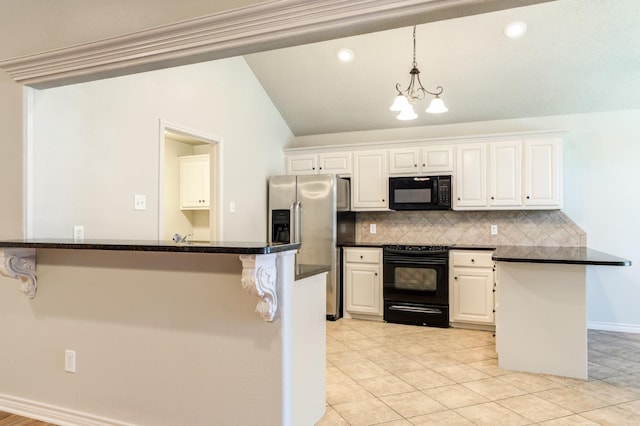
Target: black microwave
{"points": [[420, 193]]}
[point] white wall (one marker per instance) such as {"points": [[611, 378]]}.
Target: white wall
{"points": [[11, 107], [96, 144], [601, 173]]}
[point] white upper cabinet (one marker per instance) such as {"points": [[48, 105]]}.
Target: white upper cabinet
{"points": [[370, 180], [326, 162], [505, 174], [437, 159], [430, 160], [404, 161], [542, 176], [302, 164], [338, 163], [471, 176], [509, 175]]}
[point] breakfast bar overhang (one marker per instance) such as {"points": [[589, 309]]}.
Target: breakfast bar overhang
{"points": [[541, 318], [265, 326]]}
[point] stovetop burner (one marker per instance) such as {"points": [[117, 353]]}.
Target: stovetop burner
{"points": [[413, 248]]}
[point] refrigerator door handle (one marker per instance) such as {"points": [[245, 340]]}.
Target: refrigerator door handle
{"points": [[298, 220], [292, 222]]}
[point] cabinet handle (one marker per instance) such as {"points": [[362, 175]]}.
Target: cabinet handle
{"points": [[313, 168], [361, 257], [383, 200], [458, 198], [493, 198], [415, 165], [528, 197], [375, 273], [455, 278], [424, 165], [473, 260], [320, 168]]}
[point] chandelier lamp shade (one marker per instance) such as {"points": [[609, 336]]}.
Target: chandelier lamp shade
{"points": [[415, 92]]}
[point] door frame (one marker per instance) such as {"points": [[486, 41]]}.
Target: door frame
{"points": [[215, 173]]}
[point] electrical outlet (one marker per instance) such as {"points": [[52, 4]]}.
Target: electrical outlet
{"points": [[372, 228], [139, 202], [78, 233], [494, 229], [69, 361]]}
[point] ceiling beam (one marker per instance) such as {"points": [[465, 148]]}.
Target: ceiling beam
{"points": [[260, 27]]}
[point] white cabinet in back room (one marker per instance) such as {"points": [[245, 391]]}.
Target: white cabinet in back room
{"points": [[195, 190], [369, 185], [471, 287], [362, 270]]}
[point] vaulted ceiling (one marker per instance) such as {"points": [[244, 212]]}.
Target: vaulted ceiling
{"points": [[576, 57]]}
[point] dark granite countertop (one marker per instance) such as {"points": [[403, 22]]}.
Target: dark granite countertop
{"points": [[221, 247], [532, 254], [559, 255]]}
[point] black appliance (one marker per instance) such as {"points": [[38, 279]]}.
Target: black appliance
{"points": [[420, 193], [416, 285]]}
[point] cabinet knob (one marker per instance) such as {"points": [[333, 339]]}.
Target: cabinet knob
{"points": [[415, 165], [528, 197], [493, 198], [424, 165], [383, 200], [361, 257], [455, 278], [313, 168], [320, 168], [375, 273], [473, 260], [458, 198]]}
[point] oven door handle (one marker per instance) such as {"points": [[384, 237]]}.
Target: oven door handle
{"points": [[415, 309]]}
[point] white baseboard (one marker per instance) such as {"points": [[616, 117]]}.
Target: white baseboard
{"points": [[52, 414], [611, 326]]}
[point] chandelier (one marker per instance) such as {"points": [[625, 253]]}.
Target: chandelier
{"points": [[415, 92]]}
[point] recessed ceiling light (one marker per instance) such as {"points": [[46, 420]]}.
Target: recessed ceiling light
{"points": [[345, 55], [515, 29]]}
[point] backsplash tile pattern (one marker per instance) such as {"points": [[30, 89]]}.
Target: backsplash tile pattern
{"points": [[523, 228]]}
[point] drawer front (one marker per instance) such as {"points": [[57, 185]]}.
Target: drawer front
{"points": [[471, 258], [363, 255]]}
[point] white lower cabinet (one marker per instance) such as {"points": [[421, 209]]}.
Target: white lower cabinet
{"points": [[471, 287], [362, 272]]}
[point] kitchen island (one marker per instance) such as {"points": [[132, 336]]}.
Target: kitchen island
{"points": [[541, 320], [211, 333]]}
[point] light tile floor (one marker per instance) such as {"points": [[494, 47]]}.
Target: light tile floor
{"points": [[391, 374]]}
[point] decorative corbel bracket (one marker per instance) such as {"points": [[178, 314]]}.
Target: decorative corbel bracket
{"points": [[20, 263], [259, 278]]}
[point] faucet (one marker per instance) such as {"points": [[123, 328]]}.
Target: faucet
{"points": [[177, 238]]}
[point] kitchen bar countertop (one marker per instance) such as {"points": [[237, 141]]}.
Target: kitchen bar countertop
{"points": [[221, 247], [558, 255]]}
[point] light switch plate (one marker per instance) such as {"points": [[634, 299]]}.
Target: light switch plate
{"points": [[372, 228], [494, 229], [139, 202]]}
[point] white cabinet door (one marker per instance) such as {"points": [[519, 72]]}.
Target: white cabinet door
{"points": [[471, 176], [472, 295], [505, 174], [437, 159], [335, 162], [370, 180], [363, 289], [303, 164], [404, 161], [195, 190], [542, 172]]}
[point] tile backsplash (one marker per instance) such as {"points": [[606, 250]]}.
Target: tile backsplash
{"points": [[523, 228]]}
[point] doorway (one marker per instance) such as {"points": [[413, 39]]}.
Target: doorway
{"points": [[190, 185]]}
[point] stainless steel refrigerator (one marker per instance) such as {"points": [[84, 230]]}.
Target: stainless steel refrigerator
{"points": [[314, 210]]}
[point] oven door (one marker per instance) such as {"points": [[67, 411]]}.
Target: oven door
{"points": [[416, 277]]}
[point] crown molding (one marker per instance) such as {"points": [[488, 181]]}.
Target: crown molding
{"points": [[263, 26]]}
